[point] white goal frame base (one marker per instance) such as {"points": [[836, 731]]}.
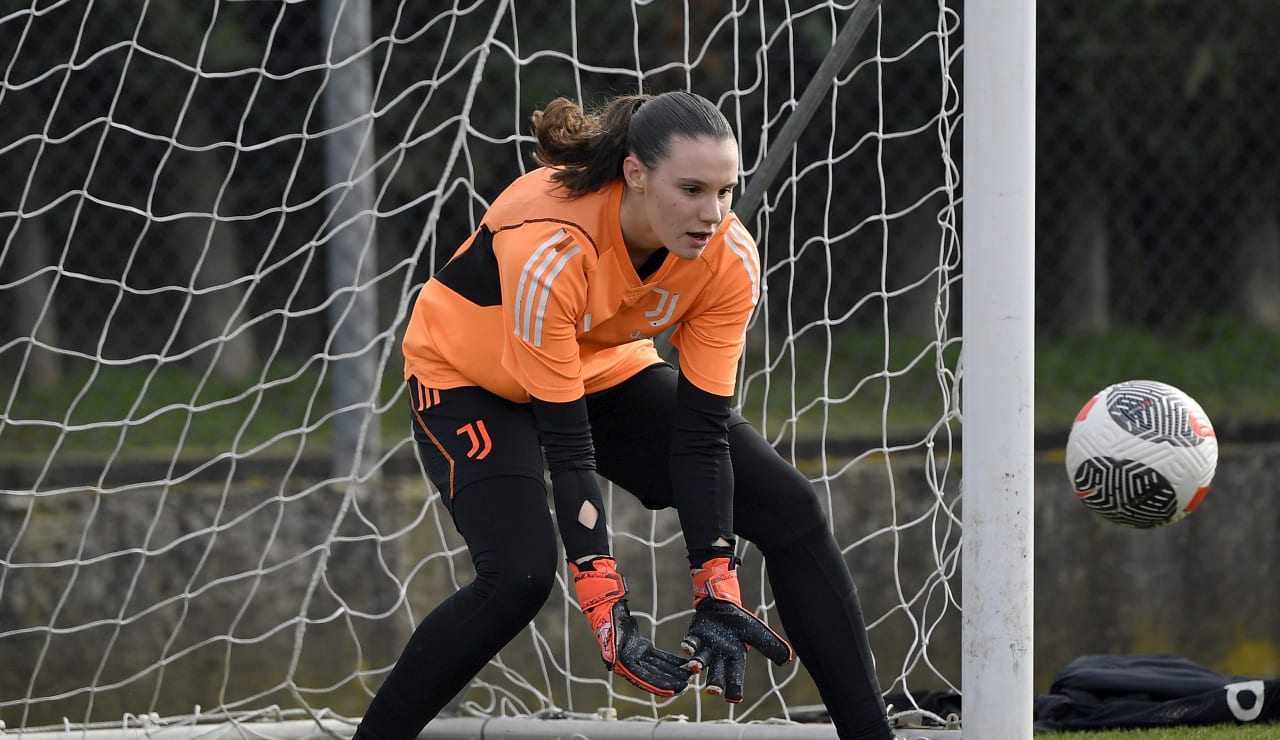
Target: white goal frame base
{"points": [[480, 728]]}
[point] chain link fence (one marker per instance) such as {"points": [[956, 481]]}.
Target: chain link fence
{"points": [[142, 193], [167, 303], [1158, 194]]}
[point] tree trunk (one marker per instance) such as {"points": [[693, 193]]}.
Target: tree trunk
{"points": [[1084, 263], [35, 310], [208, 251], [1258, 261], [28, 251]]}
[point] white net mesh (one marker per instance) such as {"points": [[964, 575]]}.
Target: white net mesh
{"points": [[216, 221]]}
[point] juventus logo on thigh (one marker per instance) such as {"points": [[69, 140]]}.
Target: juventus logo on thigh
{"points": [[481, 445]]}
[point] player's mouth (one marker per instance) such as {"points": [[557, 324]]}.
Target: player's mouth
{"points": [[699, 238]]}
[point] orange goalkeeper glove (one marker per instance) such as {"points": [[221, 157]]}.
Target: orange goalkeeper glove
{"points": [[722, 631], [626, 652]]}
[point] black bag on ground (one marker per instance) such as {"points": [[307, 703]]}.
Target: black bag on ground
{"points": [[1096, 692]]}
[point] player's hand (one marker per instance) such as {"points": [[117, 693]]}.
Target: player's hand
{"points": [[626, 652], [722, 631]]}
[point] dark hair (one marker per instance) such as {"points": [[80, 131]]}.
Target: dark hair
{"points": [[589, 146]]}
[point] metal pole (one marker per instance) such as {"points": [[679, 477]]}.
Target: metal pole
{"points": [[352, 252], [780, 149], [998, 364]]}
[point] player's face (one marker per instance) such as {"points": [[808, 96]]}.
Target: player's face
{"points": [[680, 202]]}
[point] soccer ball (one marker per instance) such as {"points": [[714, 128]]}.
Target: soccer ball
{"points": [[1142, 453]]}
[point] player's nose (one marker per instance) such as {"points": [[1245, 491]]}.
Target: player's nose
{"points": [[712, 212]]}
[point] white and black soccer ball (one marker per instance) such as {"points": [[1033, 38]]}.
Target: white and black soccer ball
{"points": [[1142, 453]]}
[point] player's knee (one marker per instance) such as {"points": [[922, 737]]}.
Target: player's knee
{"points": [[521, 582], [793, 513], [515, 576], [774, 503], [531, 585]]}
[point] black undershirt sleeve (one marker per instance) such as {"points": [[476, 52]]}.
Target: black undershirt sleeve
{"points": [[565, 432], [702, 472]]}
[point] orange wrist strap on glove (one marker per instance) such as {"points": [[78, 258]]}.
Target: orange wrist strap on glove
{"points": [[601, 594], [722, 631]]}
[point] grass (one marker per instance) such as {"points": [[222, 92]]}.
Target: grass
{"points": [[860, 388], [856, 388], [1226, 366], [153, 411], [1208, 732]]}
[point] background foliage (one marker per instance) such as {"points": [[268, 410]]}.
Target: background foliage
{"points": [[153, 208]]}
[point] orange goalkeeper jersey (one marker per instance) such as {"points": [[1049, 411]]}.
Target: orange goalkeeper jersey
{"points": [[543, 300]]}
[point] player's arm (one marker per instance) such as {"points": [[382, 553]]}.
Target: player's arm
{"points": [[722, 628], [565, 432], [544, 291], [711, 341], [702, 472], [711, 345]]}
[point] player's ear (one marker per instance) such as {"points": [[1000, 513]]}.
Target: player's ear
{"points": [[633, 171]]}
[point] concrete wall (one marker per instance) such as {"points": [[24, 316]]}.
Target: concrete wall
{"points": [[234, 590]]}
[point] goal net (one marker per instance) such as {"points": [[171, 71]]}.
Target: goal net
{"points": [[216, 218]]}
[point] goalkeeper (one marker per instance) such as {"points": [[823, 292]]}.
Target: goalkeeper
{"points": [[531, 350]]}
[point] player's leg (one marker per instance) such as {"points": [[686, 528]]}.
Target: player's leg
{"points": [[631, 433], [481, 452], [776, 508]]}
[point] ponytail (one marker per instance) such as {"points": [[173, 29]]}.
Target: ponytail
{"points": [[589, 146]]}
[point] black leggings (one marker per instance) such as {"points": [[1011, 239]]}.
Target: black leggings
{"points": [[482, 454]]}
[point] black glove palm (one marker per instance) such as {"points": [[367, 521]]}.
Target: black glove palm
{"points": [[722, 631], [624, 650]]}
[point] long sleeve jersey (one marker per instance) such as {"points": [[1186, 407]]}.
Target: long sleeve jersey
{"points": [[543, 300]]}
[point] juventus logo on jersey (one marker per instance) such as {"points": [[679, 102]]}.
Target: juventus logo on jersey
{"points": [[661, 314], [666, 307]]}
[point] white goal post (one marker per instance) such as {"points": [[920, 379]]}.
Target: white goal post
{"points": [[999, 362], [218, 214]]}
